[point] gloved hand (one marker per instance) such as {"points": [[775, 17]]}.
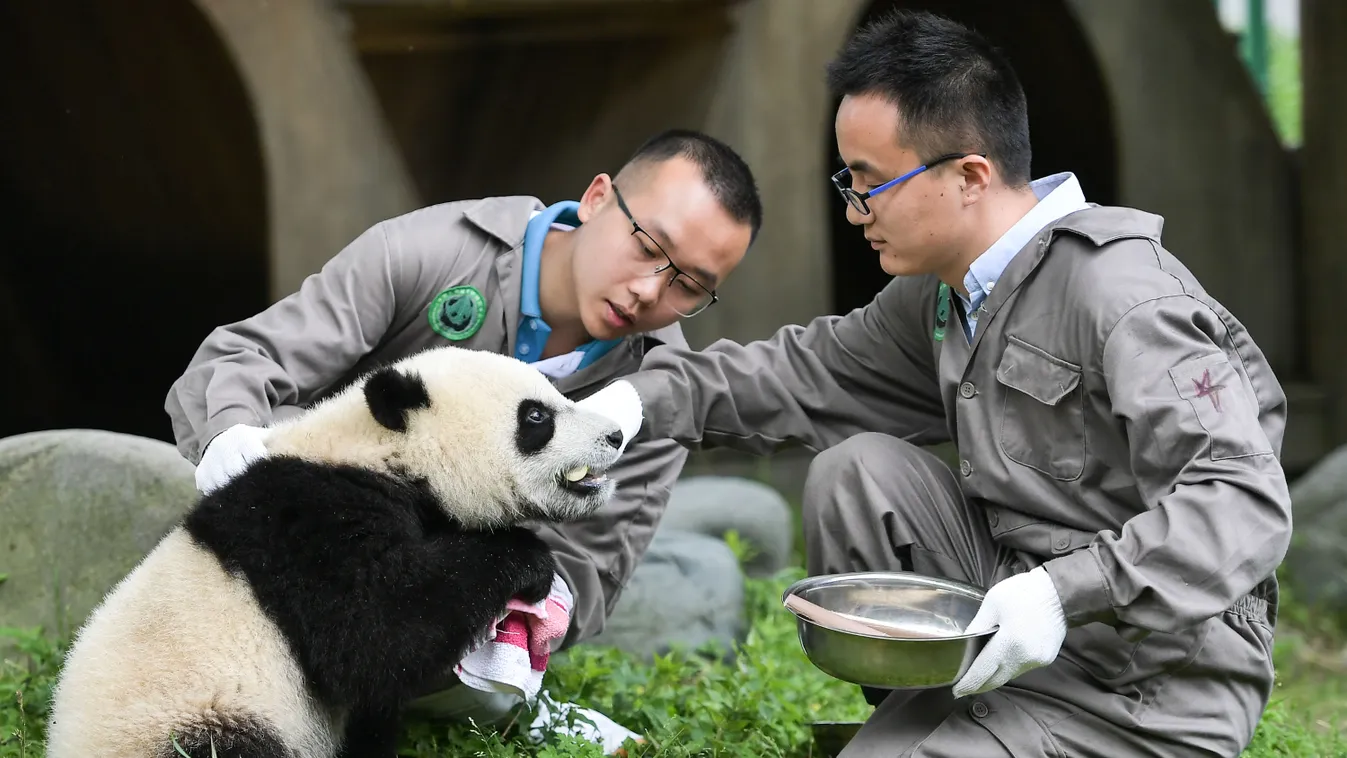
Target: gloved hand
{"points": [[619, 402], [228, 453], [1033, 627]]}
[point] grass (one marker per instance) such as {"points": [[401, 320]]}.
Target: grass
{"points": [[760, 703]]}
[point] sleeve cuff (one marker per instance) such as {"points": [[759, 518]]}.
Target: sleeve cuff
{"points": [[1082, 588]]}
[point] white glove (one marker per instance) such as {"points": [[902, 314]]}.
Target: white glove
{"points": [[227, 454], [619, 402], [1033, 627]]}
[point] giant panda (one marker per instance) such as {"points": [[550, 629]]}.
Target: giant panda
{"points": [[297, 608]]}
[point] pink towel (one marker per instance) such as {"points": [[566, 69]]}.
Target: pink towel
{"points": [[514, 659]]}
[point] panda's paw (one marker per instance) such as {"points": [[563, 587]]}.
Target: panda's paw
{"points": [[537, 577], [536, 591]]}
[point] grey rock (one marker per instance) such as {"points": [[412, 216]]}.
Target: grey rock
{"points": [[688, 591], [79, 508], [1321, 488], [714, 505], [1316, 564]]}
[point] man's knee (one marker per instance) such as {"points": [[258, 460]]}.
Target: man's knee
{"points": [[894, 466]]}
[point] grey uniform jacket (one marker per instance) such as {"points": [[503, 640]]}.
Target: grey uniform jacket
{"points": [[1112, 417], [369, 304]]}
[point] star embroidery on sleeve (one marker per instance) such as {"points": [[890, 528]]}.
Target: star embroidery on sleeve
{"points": [[1205, 388]]}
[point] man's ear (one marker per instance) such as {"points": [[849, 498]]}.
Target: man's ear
{"points": [[599, 192], [392, 396], [975, 177]]}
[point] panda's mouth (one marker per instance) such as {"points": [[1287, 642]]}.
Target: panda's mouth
{"points": [[582, 480]]}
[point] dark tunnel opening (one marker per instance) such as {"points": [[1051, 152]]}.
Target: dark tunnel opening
{"points": [[133, 198]]}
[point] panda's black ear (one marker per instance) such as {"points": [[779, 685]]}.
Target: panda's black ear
{"points": [[391, 395]]}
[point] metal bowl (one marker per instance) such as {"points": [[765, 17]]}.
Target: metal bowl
{"points": [[935, 610]]}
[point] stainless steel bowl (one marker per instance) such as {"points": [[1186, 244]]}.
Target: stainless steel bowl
{"points": [[935, 610]]}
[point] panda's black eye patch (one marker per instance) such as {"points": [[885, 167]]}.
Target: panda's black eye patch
{"points": [[535, 427]]}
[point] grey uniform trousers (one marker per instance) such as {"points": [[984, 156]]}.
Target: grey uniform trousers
{"points": [[877, 503]]}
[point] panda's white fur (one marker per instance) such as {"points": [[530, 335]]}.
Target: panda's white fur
{"points": [[179, 644], [353, 564]]}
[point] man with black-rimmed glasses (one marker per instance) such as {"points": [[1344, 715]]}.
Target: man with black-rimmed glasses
{"points": [[579, 289]]}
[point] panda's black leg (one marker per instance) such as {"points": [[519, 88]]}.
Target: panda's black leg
{"points": [[372, 734]]}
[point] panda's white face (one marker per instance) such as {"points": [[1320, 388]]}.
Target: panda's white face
{"points": [[494, 440]]}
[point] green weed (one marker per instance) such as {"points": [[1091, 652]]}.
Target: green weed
{"points": [[758, 702]]}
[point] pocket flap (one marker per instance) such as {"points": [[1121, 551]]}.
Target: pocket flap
{"points": [[1036, 373]]}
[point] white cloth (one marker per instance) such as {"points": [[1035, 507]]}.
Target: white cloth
{"points": [[560, 366], [515, 657], [1058, 195], [227, 454], [1032, 629], [587, 724]]}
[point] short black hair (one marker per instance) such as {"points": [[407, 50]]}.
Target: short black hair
{"points": [[724, 171], [955, 92]]}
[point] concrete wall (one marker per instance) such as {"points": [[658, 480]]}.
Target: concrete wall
{"points": [[364, 109], [772, 104], [331, 168], [538, 107], [1192, 141], [1199, 148]]}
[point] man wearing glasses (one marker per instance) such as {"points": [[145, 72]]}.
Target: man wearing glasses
{"points": [[1118, 487], [581, 290]]}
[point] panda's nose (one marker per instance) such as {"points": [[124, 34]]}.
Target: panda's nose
{"points": [[614, 438]]}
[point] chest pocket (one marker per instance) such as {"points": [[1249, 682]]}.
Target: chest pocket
{"points": [[1043, 413]]}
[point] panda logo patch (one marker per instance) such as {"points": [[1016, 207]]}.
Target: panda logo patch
{"points": [[458, 312]]}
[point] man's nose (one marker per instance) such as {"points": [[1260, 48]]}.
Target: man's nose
{"points": [[647, 288], [856, 218]]}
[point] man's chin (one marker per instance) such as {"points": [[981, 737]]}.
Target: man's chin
{"points": [[599, 328], [893, 265]]}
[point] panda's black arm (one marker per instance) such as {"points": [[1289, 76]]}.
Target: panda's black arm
{"points": [[372, 586], [416, 610]]}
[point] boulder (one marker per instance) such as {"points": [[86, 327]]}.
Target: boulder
{"points": [[1316, 565], [688, 591], [714, 505], [79, 509]]}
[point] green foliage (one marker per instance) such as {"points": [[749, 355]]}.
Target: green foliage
{"points": [[758, 702], [26, 681], [1283, 90]]}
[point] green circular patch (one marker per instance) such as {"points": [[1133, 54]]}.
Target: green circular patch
{"points": [[458, 312]]}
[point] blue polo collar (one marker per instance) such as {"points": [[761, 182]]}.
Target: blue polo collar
{"points": [[533, 331]]}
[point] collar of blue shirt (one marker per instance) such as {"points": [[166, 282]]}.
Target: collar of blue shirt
{"points": [[1058, 195], [533, 331]]}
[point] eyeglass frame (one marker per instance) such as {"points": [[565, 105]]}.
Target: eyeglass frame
{"points": [[635, 227], [860, 197]]}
